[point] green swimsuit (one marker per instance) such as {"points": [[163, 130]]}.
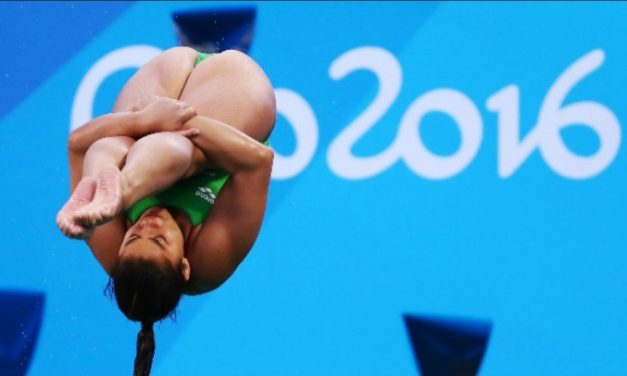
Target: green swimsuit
{"points": [[195, 195]]}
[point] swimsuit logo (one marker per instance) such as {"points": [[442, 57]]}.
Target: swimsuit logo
{"points": [[206, 194]]}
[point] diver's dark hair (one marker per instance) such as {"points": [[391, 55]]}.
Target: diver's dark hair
{"points": [[145, 350], [146, 291]]}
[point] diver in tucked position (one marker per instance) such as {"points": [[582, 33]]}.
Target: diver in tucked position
{"points": [[169, 190]]}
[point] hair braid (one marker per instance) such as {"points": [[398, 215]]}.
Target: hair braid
{"points": [[145, 350]]}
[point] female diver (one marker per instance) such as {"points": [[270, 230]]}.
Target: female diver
{"points": [[144, 178]]}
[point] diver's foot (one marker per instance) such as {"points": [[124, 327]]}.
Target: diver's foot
{"points": [[107, 202], [83, 194]]}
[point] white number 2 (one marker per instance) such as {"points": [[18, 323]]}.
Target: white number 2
{"points": [[407, 144]]}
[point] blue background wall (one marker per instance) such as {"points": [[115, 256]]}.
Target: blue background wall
{"points": [[536, 252]]}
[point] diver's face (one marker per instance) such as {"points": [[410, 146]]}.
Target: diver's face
{"points": [[156, 236]]}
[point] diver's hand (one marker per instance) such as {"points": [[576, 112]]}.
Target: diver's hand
{"points": [[189, 133], [141, 103], [160, 114]]}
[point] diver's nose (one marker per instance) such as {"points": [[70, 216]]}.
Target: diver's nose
{"points": [[150, 222]]}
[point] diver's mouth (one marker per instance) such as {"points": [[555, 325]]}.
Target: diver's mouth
{"points": [[153, 212]]}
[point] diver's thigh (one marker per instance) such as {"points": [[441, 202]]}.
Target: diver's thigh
{"points": [[232, 88], [164, 76]]}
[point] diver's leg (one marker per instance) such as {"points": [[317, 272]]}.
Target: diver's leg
{"points": [[230, 87], [153, 163], [105, 154]]}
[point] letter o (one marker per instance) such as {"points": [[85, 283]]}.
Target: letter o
{"points": [[303, 121], [465, 114]]}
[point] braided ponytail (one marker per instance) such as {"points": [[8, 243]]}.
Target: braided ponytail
{"points": [[145, 350], [146, 292]]}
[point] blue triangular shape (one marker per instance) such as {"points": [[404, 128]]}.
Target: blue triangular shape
{"points": [[448, 346], [20, 319], [40, 37], [216, 30]]}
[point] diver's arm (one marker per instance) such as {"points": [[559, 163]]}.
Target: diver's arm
{"points": [[159, 114], [125, 123], [225, 147], [229, 233]]}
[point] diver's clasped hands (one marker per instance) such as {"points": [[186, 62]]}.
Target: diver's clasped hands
{"points": [[162, 114]]}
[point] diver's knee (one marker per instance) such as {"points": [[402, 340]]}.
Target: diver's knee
{"points": [[168, 142], [115, 145], [171, 147]]}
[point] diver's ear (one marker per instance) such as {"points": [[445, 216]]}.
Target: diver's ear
{"points": [[185, 269]]}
